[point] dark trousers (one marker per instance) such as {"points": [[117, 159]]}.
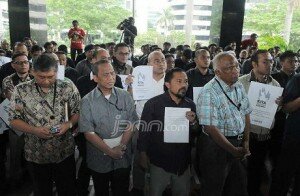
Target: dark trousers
{"points": [[256, 165], [73, 53], [221, 173], [3, 158], [119, 181], [288, 168], [84, 173], [63, 174]]}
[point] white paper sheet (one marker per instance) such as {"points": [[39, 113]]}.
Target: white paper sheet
{"points": [[113, 142], [129, 62], [4, 108], [91, 76], [262, 99], [196, 92], [61, 72], [142, 82], [123, 78], [176, 125]]}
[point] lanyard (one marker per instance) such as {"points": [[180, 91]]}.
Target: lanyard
{"points": [[53, 101], [238, 106]]}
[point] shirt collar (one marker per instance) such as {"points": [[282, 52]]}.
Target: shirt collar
{"points": [[209, 72], [225, 86], [267, 79], [98, 93]]}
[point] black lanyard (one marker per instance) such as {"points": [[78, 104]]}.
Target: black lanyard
{"points": [[114, 104], [45, 101], [238, 106]]}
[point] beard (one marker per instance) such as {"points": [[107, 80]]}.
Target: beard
{"points": [[181, 93]]}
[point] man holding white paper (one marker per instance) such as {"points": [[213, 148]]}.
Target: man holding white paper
{"points": [[106, 119], [259, 136], [165, 127]]}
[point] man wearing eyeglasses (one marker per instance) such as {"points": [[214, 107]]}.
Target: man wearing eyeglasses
{"points": [[223, 109], [106, 119], [21, 65], [45, 109], [259, 144], [120, 58]]}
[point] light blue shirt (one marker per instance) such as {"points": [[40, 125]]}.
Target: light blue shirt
{"points": [[215, 109]]}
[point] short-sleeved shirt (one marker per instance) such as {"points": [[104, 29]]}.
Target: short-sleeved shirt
{"points": [[104, 117], [215, 109], [34, 107], [76, 41], [11, 81], [292, 92]]}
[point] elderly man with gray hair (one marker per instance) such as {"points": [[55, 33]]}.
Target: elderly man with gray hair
{"points": [[223, 109]]}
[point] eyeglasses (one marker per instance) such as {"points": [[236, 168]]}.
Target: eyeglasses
{"points": [[157, 62], [20, 62], [231, 69]]}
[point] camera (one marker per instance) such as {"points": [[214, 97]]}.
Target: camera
{"points": [[124, 24], [54, 129]]}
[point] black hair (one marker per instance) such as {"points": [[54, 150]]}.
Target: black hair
{"points": [[254, 57], [16, 55], [167, 43], [63, 48], [53, 43], [168, 55], [120, 45], [170, 74], [172, 50], [45, 63], [47, 44], [188, 53], [35, 48], [287, 54]]}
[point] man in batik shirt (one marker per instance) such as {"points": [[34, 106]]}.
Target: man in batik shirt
{"points": [[45, 109]]}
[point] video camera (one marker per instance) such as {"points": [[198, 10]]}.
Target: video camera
{"points": [[124, 24]]}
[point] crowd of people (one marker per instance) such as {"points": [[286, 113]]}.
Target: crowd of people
{"points": [[92, 109]]}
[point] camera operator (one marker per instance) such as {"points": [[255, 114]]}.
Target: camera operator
{"points": [[130, 31]]}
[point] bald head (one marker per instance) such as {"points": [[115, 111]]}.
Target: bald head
{"points": [[101, 54], [158, 61]]}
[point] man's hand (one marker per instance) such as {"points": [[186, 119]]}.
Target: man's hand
{"points": [[191, 116], [278, 101], [238, 152], [144, 161], [246, 149], [117, 152], [63, 128], [129, 80], [42, 132]]}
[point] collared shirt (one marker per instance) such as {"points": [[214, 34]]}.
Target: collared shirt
{"points": [[214, 108], [172, 157], [124, 69], [158, 88], [34, 107], [197, 79], [11, 81], [84, 67], [104, 117], [246, 80], [292, 92]]}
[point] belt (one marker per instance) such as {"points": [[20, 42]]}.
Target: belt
{"points": [[237, 137]]}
